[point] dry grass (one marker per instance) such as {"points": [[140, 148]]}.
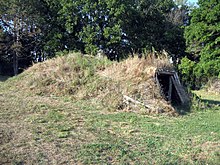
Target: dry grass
{"points": [[50, 130], [137, 80], [214, 86], [90, 78], [137, 69], [42, 123], [60, 76]]}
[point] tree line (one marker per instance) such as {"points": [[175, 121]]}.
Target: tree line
{"points": [[37, 29]]}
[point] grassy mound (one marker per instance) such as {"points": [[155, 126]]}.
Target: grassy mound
{"points": [[85, 77], [36, 127], [61, 76]]}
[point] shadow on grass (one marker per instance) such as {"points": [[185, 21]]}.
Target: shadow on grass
{"points": [[211, 102], [3, 78], [183, 109]]}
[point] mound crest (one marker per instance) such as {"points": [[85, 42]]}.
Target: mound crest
{"points": [[129, 85]]}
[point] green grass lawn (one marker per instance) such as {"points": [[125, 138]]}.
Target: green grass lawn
{"points": [[52, 130]]}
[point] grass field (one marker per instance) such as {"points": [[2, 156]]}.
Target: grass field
{"points": [[210, 98], [37, 129]]}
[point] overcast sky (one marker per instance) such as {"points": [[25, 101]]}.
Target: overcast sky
{"points": [[193, 1]]}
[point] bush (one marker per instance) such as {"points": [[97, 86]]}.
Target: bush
{"points": [[195, 75], [186, 69]]}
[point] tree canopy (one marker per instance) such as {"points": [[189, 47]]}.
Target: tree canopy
{"points": [[203, 41], [92, 24]]}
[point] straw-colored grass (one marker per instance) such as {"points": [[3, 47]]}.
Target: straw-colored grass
{"points": [[41, 122], [87, 77], [137, 80], [214, 86]]}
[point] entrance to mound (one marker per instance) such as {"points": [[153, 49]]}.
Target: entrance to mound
{"points": [[171, 88]]}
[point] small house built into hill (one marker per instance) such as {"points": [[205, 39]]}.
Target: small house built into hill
{"points": [[171, 88]]}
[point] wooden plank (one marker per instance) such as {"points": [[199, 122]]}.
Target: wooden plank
{"points": [[177, 78], [180, 91], [166, 73], [170, 89], [129, 99], [183, 92], [174, 82], [177, 87]]}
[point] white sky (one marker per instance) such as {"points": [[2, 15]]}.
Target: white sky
{"points": [[193, 1]]}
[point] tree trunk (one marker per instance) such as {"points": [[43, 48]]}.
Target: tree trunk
{"points": [[17, 46], [15, 63]]}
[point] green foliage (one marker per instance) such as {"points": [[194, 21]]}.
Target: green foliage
{"points": [[116, 27], [102, 24], [113, 25], [187, 68], [203, 39]]}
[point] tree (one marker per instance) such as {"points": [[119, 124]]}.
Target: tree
{"points": [[148, 25], [5, 52], [119, 26], [177, 19], [203, 40], [18, 19], [116, 27], [101, 24]]}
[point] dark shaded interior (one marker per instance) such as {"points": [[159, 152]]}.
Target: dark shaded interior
{"points": [[164, 82], [175, 99]]}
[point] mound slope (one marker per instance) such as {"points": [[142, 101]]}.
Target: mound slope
{"points": [[138, 86], [128, 85], [214, 86]]}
